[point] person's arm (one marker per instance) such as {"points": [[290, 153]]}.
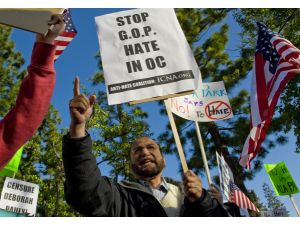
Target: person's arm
{"points": [[198, 201], [33, 100], [85, 189]]}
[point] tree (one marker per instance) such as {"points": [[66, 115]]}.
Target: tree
{"points": [[273, 202]]}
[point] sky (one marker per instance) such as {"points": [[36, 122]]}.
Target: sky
{"points": [[78, 60]]}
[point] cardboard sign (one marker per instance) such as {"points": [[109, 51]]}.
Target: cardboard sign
{"points": [[281, 179], [30, 19], [13, 165], [209, 103], [225, 175], [145, 54], [19, 196]]}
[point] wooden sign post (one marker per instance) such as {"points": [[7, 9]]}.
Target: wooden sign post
{"points": [[176, 137]]}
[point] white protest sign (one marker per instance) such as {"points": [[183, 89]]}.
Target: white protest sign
{"points": [[145, 54], [225, 175], [19, 196], [208, 103]]}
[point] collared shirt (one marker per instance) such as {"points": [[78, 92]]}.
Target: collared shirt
{"points": [[158, 192]]}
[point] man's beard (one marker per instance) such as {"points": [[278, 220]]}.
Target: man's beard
{"points": [[159, 166]]}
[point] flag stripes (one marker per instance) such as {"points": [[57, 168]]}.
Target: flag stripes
{"points": [[276, 62], [63, 40], [240, 199]]}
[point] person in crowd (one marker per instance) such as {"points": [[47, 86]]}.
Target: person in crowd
{"points": [[151, 194], [232, 208], [34, 96]]}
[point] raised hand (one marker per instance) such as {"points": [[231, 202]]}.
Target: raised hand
{"points": [[81, 109], [57, 26]]}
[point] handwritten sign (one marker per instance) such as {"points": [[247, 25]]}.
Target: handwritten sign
{"points": [[281, 179], [144, 57], [19, 196], [209, 103]]}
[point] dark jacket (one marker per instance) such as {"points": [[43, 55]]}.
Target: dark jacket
{"points": [[94, 195]]}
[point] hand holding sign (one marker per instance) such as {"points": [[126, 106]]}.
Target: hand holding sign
{"points": [[57, 27], [81, 109], [192, 186]]}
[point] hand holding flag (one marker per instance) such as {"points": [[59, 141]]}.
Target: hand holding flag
{"points": [[57, 27]]}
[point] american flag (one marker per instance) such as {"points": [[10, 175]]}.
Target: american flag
{"points": [[239, 198], [63, 40], [276, 62]]}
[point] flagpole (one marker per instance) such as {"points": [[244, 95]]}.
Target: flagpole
{"points": [[203, 153], [294, 204], [176, 137]]}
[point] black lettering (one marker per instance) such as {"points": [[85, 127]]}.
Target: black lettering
{"points": [[138, 49], [147, 30], [5, 195], [150, 63], [160, 61], [291, 186], [9, 184], [128, 50], [123, 35], [136, 18], [128, 19], [120, 21], [144, 15], [135, 33], [134, 66], [211, 111]]}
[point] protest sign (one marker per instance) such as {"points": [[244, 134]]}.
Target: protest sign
{"points": [[208, 103], [281, 179], [13, 165], [30, 19], [225, 175], [143, 57], [19, 196]]}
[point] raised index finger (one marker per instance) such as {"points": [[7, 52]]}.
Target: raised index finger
{"points": [[76, 89]]}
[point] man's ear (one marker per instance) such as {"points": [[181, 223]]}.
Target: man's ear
{"points": [[164, 162]]}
